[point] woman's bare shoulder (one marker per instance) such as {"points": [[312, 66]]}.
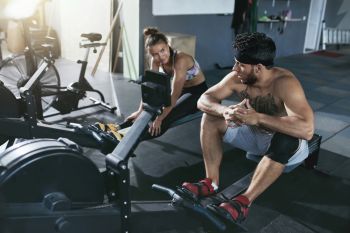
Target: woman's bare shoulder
{"points": [[184, 60]]}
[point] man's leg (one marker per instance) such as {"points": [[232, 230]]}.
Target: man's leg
{"points": [[212, 131], [265, 174], [270, 167]]}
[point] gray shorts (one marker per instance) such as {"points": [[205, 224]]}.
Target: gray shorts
{"points": [[257, 141]]}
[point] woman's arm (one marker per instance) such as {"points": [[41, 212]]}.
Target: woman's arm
{"points": [[180, 68], [181, 65]]}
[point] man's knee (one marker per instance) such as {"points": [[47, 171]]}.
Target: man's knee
{"points": [[212, 123], [282, 148], [271, 162]]}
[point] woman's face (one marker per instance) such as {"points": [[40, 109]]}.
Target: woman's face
{"points": [[160, 52]]}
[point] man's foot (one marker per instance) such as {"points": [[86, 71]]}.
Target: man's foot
{"points": [[203, 188], [235, 210]]}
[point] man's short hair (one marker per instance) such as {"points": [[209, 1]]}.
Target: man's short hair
{"points": [[255, 48]]}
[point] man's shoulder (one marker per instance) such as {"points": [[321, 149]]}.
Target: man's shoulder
{"points": [[285, 80], [283, 75], [282, 72], [229, 82], [232, 77], [232, 80]]}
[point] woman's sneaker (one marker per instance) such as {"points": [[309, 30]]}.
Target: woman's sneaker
{"points": [[107, 127]]}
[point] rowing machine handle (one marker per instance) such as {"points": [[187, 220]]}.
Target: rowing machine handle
{"points": [[163, 189], [192, 206], [207, 214]]}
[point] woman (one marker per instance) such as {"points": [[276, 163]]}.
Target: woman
{"points": [[188, 82]]}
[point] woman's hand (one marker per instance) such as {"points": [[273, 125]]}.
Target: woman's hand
{"points": [[155, 127], [133, 116]]}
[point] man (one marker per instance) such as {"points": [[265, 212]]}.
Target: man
{"points": [[273, 121]]}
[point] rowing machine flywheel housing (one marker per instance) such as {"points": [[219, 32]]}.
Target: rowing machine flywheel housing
{"points": [[35, 168]]}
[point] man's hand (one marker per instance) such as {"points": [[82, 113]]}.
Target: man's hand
{"points": [[155, 127], [247, 115], [230, 114]]}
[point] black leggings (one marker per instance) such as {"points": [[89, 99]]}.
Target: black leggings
{"points": [[185, 105]]}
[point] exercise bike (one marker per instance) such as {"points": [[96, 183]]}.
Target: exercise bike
{"points": [[68, 99], [50, 186], [21, 116], [16, 70]]}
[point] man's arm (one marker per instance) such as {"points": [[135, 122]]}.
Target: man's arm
{"points": [[299, 121], [210, 101]]}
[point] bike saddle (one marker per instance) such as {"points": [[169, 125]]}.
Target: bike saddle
{"points": [[92, 36]]}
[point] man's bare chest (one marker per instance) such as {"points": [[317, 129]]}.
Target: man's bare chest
{"points": [[264, 102]]}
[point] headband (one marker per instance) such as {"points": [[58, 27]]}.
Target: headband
{"points": [[248, 59]]}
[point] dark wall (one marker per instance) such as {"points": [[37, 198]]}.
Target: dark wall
{"points": [[214, 34], [290, 36], [337, 13]]}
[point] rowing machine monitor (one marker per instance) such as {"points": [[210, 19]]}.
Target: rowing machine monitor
{"points": [[156, 90]]}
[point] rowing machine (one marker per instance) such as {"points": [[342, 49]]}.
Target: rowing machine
{"points": [[50, 186]]}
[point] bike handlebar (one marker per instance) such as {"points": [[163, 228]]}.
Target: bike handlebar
{"points": [[208, 215]]}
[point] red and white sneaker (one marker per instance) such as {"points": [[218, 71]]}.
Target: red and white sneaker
{"points": [[200, 189], [235, 210]]}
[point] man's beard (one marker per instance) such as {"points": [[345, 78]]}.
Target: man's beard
{"points": [[251, 79]]}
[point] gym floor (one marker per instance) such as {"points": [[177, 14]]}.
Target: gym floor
{"points": [[301, 201]]}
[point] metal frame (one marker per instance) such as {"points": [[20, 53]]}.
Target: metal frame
{"points": [[28, 126], [131, 217], [120, 214], [334, 36], [123, 215]]}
